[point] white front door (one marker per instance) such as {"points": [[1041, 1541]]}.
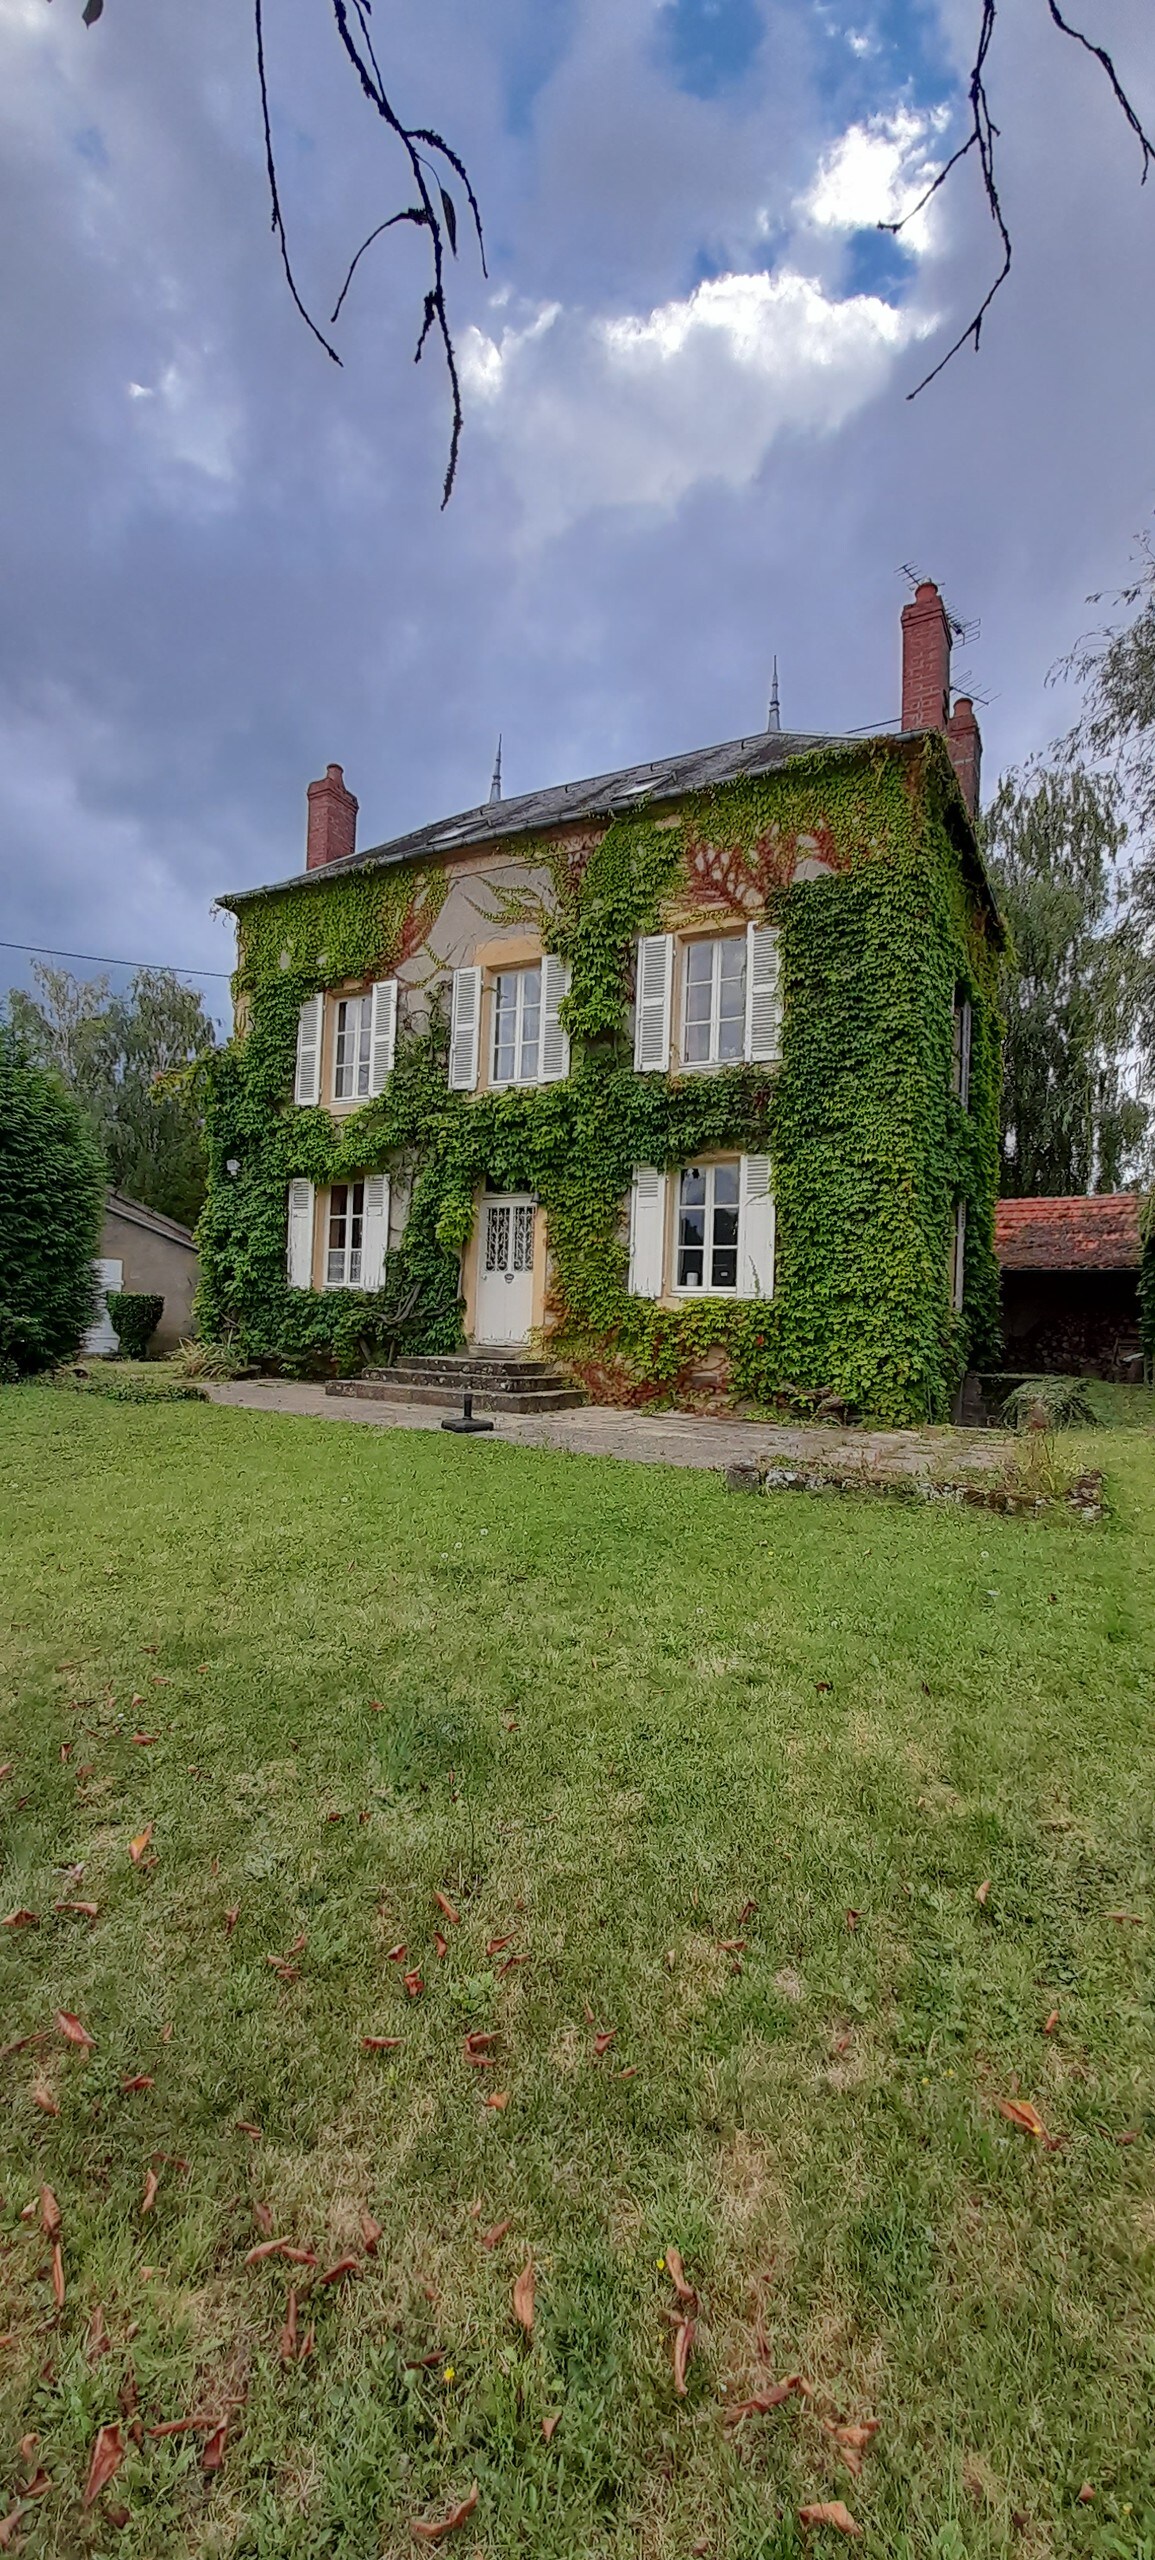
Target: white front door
{"points": [[101, 1338], [505, 1268]]}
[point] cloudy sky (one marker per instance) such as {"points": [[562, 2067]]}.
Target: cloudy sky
{"points": [[687, 440]]}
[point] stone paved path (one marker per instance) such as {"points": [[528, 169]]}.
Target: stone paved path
{"points": [[659, 1439]]}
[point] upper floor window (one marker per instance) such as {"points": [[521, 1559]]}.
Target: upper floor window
{"points": [[346, 1044], [505, 1025], [516, 1016], [351, 1049], [960, 1068], [707, 1002], [714, 1004]]}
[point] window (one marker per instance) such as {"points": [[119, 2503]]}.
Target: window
{"points": [[346, 1235], [352, 1048], [516, 1026], [707, 1241], [958, 1256], [714, 1015], [960, 1068]]}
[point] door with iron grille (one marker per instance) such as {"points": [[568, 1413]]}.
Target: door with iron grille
{"points": [[505, 1267]]}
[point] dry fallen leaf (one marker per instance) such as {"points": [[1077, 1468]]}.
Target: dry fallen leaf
{"points": [[380, 2044], [746, 1913], [42, 2097], [602, 2042], [97, 2341], [70, 2027], [58, 2275], [264, 2249], [852, 2442], [1130, 1919], [832, 2512], [683, 2342], [9, 2527], [21, 1920], [499, 2098], [137, 1847], [523, 2298], [231, 1919], [1085, 2495], [762, 2402], [497, 1946], [677, 2274], [148, 2199], [370, 2233], [489, 2239], [107, 2456], [440, 1945], [288, 2347], [144, 1739], [214, 2452], [82, 1910], [393, 1955], [51, 2221], [1051, 2023], [982, 1890], [139, 2080], [549, 2423], [445, 1906], [1020, 2111], [435, 2532], [413, 1984], [337, 2273], [38, 2486]]}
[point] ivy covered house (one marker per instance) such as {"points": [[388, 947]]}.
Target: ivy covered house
{"points": [[687, 1075]]}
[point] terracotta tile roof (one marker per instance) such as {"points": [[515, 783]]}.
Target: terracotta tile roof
{"points": [[1070, 1235]]}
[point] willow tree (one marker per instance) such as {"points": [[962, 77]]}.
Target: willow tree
{"points": [[1071, 1117]]}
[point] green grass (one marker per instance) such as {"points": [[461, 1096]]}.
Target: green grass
{"points": [[615, 1704]]}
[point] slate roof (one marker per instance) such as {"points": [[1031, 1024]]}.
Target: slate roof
{"points": [[1102, 1234], [606, 795]]}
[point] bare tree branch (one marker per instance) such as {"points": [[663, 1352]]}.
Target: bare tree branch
{"points": [[983, 136], [274, 192]]}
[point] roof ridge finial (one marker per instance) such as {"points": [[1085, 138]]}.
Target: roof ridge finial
{"points": [[495, 785], [774, 714]]}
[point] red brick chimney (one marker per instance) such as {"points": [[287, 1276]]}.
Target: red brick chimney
{"points": [[332, 820], [925, 659], [965, 748], [926, 644]]}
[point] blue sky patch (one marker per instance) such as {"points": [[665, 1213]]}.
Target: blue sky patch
{"points": [[877, 263], [710, 44]]}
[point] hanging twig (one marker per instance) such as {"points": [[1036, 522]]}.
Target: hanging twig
{"points": [[983, 136]]}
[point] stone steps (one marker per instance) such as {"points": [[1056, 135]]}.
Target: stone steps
{"points": [[497, 1383]]}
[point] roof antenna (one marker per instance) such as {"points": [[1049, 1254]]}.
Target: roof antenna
{"points": [[495, 785], [774, 714]]}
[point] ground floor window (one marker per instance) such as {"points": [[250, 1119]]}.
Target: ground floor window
{"points": [[346, 1235], [707, 1242]]}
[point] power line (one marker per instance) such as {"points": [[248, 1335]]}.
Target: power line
{"points": [[100, 960]]}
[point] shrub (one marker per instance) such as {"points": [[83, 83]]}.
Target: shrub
{"points": [[212, 1360], [52, 1184], [1049, 1404], [134, 1315]]}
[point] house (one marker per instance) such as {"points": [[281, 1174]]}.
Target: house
{"points": [[142, 1251], [687, 1073], [1070, 1284]]}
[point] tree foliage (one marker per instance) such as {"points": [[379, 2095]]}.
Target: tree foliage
{"points": [[1070, 1120], [51, 1205], [122, 1056], [1117, 667]]}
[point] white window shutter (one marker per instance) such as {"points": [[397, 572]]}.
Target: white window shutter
{"points": [[382, 1034], [375, 1232], [464, 1030], [763, 1000], [756, 1230], [652, 1011], [307, 1084], [648, 1232], [300, 1260], [554, 1041]]}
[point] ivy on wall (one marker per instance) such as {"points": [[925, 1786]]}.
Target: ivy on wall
{"points": [[868, 1148]]}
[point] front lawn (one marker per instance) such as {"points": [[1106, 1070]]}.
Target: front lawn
{"points": [[786, 1838]]}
